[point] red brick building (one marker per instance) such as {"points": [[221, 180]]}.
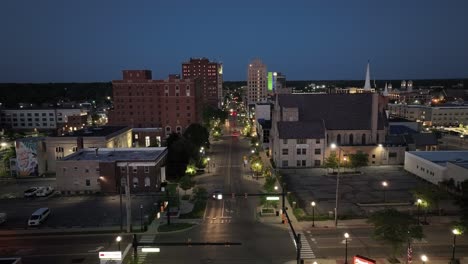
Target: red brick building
{"points": [[210, 75], [141, 102]]}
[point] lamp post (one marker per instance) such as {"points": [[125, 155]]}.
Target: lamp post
{"points": [[118, 239], [384, 185], [313, 213], [141, 217], [334, 146], [208, 163], [418, 204], [424, 259], [346, 236], [455, 232]]}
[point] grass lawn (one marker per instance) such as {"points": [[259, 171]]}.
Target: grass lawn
{"points": [[174, 227], [198, 210]]}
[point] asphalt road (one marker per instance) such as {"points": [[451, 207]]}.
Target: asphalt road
{"points": [[232, 220]]}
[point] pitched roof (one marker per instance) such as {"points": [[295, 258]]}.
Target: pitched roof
{"points": [[301, 129], [339, 111]]}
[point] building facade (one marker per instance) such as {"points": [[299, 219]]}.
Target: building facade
{"points": [[304, 126], [38, 118], [210, 75], [256, 82], [59, 147], [172, 104], [446, 115], [104, 170]]}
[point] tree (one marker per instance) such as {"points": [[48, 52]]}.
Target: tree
{"points": [[210, 113], [198, 135], [180, 152], [395, 228], [10, 153], [186, 183], [357, 160], [431, 194], [331, 162]]}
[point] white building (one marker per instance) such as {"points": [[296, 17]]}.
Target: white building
{"points": [[256, 82], [30, 118], [444, 115], [438, 166]]}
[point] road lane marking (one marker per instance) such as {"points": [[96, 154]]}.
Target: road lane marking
{"points": [[96, 250]]}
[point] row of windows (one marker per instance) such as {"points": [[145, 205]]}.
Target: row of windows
{"points": [[301, 141], [301, 151], [134, 169], [427, 171], [300, 163]]}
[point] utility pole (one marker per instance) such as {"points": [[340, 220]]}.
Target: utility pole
{"points": [[298, 248], [128, 203], [121, 208]]}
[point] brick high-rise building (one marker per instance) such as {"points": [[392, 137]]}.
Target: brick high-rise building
{"points": [[256, 82], [210, 75], [172, 104]]}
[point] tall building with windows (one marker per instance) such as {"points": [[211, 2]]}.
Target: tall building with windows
{"points": [[141, 102], [210, 75], [256, 82]]}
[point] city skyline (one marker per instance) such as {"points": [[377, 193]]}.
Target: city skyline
{"points": [[93, 41]]}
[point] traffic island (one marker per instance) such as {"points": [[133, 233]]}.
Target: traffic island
{"points": [[174, 227]]}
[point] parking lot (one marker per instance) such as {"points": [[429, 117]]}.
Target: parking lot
{"points": [[356, 191], [67, 211]]}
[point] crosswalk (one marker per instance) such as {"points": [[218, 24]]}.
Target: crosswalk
{"points": [[144, 239], [222, 220], [306, 250]]}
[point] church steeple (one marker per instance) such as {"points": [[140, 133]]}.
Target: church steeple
{"points": [[367, 86], [385, 92]]}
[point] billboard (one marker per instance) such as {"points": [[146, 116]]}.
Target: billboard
{"points": [[26, 158]]}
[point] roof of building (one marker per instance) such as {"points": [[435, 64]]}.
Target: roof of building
{"points": [[338, 111], [425, 139], [442, 157], [301, 129], [118, 154], [102, 131], [147, 129], [400, 130]]}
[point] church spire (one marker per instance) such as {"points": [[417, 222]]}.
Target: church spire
{"points": [[367, 86], [385, 92]]}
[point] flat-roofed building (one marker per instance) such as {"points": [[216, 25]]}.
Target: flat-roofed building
{"points": [[438, 166], [96, 137], [105, 169]]}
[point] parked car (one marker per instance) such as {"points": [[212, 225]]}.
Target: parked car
{"points": [[39, 216], [31, 192], [3, 218], [44, 191]]}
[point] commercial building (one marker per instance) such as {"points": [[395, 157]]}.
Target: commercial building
{"points": [[38, 118], [141, 102], [31, 157], [438, 166], [443, 115], [104, 170], [60, 147], [256, 82], [304, 126], [210, 75], [146, 137]]}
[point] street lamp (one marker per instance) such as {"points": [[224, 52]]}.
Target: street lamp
{"points": [[418, 204], [384, 185], [346, 236], [334, 146], [313, 213], [276, 188], [456, 232], [424, 259], [118, 239]]}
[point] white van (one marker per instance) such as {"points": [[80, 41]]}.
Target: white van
{"points": [[39, 216]]}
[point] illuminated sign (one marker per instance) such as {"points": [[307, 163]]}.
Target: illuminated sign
{"points": [[362, 260], [270, 81], [272, 198], [147, 249], [113, 255]]}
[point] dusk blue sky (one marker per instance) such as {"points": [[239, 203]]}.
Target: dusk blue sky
{"points": [[93, 40]]}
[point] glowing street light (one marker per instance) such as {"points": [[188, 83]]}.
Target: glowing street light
{"points": [[418, 204], [384, 185], [313, 213], [118, 239], [456, 232], [424, 259], [346, 236]]}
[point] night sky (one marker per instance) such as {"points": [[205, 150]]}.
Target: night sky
{"points": [[93, 40]]}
